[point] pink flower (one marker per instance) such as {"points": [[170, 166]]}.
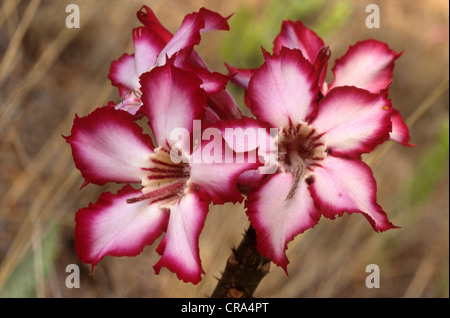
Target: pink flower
{"points": [[368, 64], [153, 44], [109, 146], [320, 143]]}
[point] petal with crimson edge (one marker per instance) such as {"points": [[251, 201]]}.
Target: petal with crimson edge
{"points": [[108, 146], [213, 20], [221, 102], [213, 82], [147, 47], [295, 35], [179, 248], [172, 98], [189, 33], [284, 89], [346, 185], [123, 72], [240, 76], [247, 134], [276, 219], [368, 64], [114, 227], [149, 19], [353, 121], [400, 131], [224, 105], [218, 179]]}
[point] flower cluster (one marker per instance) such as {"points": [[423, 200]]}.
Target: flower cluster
{"points": [[320, 131]]}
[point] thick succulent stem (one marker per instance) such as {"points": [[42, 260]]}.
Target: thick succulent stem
{"points": [[244, 270]]}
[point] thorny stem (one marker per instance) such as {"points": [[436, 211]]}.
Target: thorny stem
{"points": [[244, 270]]}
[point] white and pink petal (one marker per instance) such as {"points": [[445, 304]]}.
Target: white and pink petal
{"points": [[346, 185], [123, 72], [284, 89], [180, 246], [295, 35], [149, 19], [368, 64], [248, 134], [400, 131], [213, 21], [112, 226], [241, 76], [172, 99], [147, 47], [277, 218], [213, 82], [215, 167], [189, 33], [109, 146], [353, 121], [221, 101]]}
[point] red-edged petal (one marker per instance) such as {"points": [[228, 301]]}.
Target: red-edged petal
{"points": [[123, 72], [249, 180], [276, 219], [179, 248], [221, 102], [189, 32], [215, 167], [248, 134], [400, 131], [321, 64], [241, 76], [213, 82], [147, 46], [108, 146], [353, 120], [368, 64], [295, 35], [114, 227], [224, 105], [346, 185], [284, 89], [172, 98], [213, 21], [210, 116], [149, 19]]}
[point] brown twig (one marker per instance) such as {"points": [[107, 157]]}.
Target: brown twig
{"points": [[245, 269]]}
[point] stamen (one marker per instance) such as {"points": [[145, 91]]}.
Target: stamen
{"points": [[300, 151], [165, 181], [158, 193], [294, 187]]}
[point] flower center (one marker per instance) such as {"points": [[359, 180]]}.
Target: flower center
{"points": [[299, 151], [165, 182]]}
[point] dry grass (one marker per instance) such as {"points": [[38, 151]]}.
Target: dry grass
{"points": [[48, 73]]}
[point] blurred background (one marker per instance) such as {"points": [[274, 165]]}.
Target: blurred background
{"points": [[49, 73]]}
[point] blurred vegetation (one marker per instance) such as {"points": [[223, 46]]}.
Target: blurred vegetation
{"points": [[259, 27], [253, 29], [30, 274], [430, 170]]}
